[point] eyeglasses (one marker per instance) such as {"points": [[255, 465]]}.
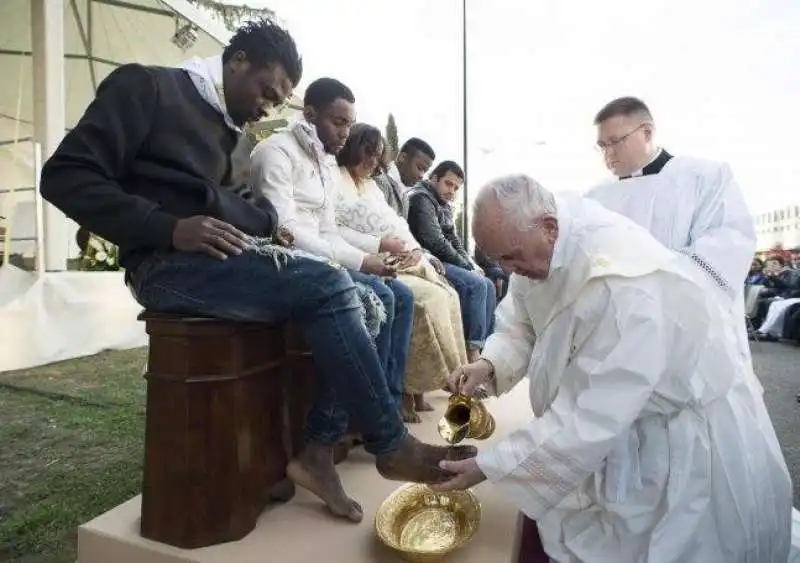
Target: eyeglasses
{"points": [[602, 146]]}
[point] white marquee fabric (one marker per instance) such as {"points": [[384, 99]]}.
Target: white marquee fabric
{"points": [[59, 316], [99, 35], [64, 315]]}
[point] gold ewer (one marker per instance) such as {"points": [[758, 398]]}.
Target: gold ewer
{"points": [[465, 417]]}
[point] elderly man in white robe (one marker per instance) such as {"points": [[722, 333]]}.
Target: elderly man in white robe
{"points": [[689, 205], [650, 440]]}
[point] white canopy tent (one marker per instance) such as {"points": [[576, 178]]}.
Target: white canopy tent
{"points": [[53, 54]]}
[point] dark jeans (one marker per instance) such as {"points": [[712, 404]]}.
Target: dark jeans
{"points": [[322, 299], [496, 273], [394, 339], [478, 301]]}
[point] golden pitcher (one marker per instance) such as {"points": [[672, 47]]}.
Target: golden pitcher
{"points": [[465, 417]]}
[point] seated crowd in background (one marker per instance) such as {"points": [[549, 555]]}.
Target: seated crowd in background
{"points": [[772, 295]]}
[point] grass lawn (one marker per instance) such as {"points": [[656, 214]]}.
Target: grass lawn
{"points": [[71, 437]]}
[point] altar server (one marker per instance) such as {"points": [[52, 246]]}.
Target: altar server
{"points": [[689, 205]]}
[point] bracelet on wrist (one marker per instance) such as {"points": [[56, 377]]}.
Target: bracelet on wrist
{"points": [[491, 367]]}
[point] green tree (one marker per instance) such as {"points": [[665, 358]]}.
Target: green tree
{"points": [[233, 15], [391, 136]]}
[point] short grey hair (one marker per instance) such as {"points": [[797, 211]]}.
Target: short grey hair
{"points": [[521, 198]]}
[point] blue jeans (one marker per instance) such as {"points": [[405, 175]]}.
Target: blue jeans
{"points": [[394, 339], [478, 301], [322, 299], [496, 273]]}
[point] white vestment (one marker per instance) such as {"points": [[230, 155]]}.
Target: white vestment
{"points": [[693, 206], [649, 443]]}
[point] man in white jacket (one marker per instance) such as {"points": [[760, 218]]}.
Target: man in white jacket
{"points": [[651, 440], [297, 173]]}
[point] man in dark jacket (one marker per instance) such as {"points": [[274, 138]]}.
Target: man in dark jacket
{"points": [[493, 271], [430, 217], [148, 167]]}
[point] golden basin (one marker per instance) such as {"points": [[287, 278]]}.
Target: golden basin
{"points": [[423, 525]]}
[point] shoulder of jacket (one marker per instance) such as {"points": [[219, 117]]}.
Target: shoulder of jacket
{"points": [[282, 143], [418, 193]]}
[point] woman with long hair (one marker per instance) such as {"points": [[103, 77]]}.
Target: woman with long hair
{"points": [[365, 218]]}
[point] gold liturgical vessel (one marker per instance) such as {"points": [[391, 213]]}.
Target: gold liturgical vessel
{"points": [[423, 525], [465, 417]]}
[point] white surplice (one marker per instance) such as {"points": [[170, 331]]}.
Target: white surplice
{"points": [[650, 444], [695, 207]]}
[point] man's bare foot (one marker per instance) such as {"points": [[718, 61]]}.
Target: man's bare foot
{"points": [[314, 471], [420, 405], [418, 462]]}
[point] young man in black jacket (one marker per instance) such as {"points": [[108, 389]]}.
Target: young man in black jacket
{"points": [[430, 217], [148, 167]]}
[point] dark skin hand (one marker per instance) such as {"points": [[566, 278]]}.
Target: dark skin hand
{"points": [[284, 237], [410, 259], [378, 266], [216, 238], [437, 265]]}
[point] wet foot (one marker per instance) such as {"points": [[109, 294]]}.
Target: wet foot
{"points": [[314, 471], [420, 405], [419, 462]]}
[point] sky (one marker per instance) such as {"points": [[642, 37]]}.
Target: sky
{"points": [[718, 76]]}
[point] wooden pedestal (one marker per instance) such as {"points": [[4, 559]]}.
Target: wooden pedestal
{"points": [[216, 428]]}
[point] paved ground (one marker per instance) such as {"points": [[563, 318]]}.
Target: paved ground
{"points": [[778, 368]]}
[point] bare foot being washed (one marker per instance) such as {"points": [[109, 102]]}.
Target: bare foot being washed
{"points": [[421, 405], [314, 471], [418, 462]]}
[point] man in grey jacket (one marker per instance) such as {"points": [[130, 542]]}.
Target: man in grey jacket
{"points": [[430, 218]]}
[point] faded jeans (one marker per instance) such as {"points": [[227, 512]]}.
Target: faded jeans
{"points": [[320, 298], [478, 298], [394, 339]]}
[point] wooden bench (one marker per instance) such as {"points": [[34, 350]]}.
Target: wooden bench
{"points": [[226, 406]]}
